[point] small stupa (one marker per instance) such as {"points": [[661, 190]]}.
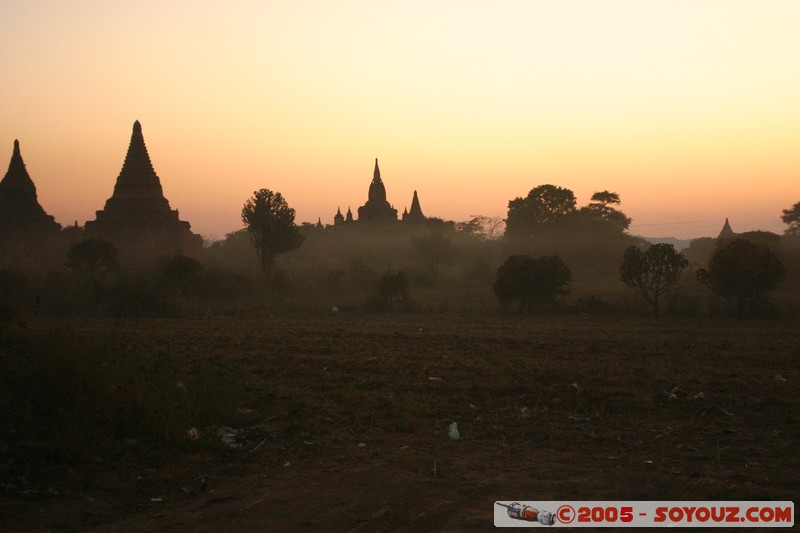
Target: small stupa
{"points": [[415, 214], [727, 231]]}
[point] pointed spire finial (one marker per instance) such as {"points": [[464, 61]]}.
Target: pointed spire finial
{"points": [[16, 146], [376, 176], [727, 231]]}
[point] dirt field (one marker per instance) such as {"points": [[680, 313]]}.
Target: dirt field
{"points": [[340, 423]]}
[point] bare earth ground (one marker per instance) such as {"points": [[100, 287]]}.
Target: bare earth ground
{"points": [[347, 418]]}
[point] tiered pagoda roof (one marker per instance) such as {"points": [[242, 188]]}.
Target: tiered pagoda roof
{"points": [[138, 218], [20, 212]]}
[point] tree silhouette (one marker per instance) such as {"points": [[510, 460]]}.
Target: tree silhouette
{"points": [[792, 217], [545, 206], [743, 273], [534, 282], [482, 226], [601, 209], [652, 272], [270, 221], [392, 293]]}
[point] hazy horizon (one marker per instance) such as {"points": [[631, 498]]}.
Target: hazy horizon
{"points": [[688, 110]]}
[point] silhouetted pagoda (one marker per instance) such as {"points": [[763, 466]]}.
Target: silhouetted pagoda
{"points": [[415, 214], [727, 231], [137, 218], [377, 209], [339, 219], [21, 216]]}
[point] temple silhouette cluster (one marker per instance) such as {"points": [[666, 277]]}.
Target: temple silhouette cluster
{"points": [[137, 218], [377, 210]]}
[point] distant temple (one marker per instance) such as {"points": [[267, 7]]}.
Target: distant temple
{"points": [[727, 232], [415, 215], [377, 209], [137, 218], [20, 213]]}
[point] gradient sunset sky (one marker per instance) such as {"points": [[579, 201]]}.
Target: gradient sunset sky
{"points": [[689, 109]]}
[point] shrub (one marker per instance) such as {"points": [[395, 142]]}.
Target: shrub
{"points": [[533, 282]]}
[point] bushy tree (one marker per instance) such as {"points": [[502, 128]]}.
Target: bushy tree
{"points": [[545, 206], [653, 271], [548, 207], [533, 282], [792, 218], [392, 293], [270, 221], [744, 273], [601, 210]]}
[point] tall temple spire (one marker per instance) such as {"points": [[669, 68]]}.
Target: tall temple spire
{"points": [[19, 206], [416, 210], [727, 231], [17, 181], [137, 218], [138, 181], [377, 191], [377, 209], [376, 174]]}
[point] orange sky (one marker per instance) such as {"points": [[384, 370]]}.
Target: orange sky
{"points": [[688, 109]]}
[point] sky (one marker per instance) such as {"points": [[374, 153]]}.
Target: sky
{"points": [[688, 109]]}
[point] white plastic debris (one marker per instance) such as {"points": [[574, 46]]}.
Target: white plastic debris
{"points": [[452, 431]]}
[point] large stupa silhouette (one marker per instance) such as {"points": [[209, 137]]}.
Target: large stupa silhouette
{"points": [[137, 218], [20, 213]]}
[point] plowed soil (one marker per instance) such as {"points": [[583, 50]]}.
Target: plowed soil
{"points": [[341, 422]]}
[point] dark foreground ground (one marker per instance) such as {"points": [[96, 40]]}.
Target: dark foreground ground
{"points": [[340, 423]]}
